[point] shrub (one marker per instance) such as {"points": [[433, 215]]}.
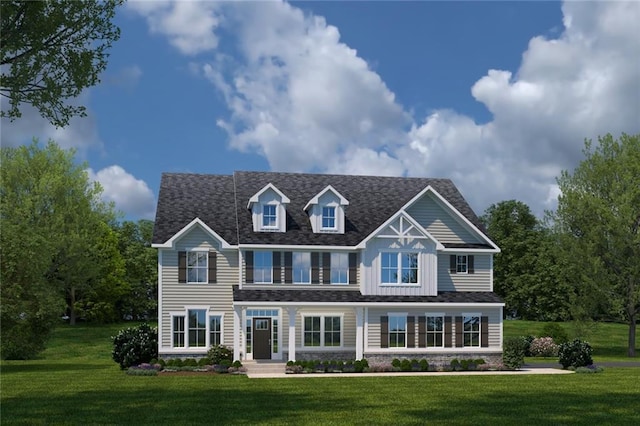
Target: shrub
{"points": [[543, 346], [455, 364], [236, 364], [575, 354], [395, 363], [405, 365], [556, 332], [424, 365], [204, 361], [589, 369], [190, 362], [513, 352], [218, 353], [225, 363], [134, 371], [135, 345], [528, 339]]}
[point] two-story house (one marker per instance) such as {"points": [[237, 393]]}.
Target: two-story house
{"points": [[294, 266]]}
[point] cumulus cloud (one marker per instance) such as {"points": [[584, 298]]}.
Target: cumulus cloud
{"points": [[130, 195]]}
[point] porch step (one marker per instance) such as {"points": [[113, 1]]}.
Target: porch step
{"points": [[264, 368]]}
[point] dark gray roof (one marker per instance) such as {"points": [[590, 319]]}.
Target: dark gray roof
{"points": [[220, 201], [354, 296]]}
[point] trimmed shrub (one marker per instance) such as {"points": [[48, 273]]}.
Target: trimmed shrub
{"points": [[424, 365], [236, 364], [134, 371], [135, 345], [543, 346], [513, 352], [556, 332], [405, 365], [589, 369], [396, 363], [190, 362], [204, 361], [218, 353], [575, 354], [528, 339]]}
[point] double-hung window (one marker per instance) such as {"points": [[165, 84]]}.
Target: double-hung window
{"points": [[399, 268], [269, 216], [397, 331], [328, 217], [339, 268], [197, 328], [215, 330], [301, 267], [322, 331], [262, 267], [178, 332], [461, 264], [197, 266], [435, 331], [471, 330]]}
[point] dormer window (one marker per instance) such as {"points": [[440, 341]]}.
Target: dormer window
{"points": [[268, 210], [326, 211], [328, 217], [269, 216]]}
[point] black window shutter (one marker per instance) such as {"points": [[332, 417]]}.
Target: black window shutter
{"points": [[315, 267], [411, 331], [213, 267], [353, 261], [484, 329], [470, 266], [248, 260], [384, 331], [459, 332], [452, 264], [447, 332], [182, 267], [422, 331], [277, 267], [288, 267], [326, 267]]}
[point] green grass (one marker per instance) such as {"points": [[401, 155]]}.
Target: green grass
{"points": [[76, 382], [608, 340]]}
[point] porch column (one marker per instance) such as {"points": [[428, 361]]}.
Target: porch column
{"points": [[237, 327], [292, 333], [359, 333]]}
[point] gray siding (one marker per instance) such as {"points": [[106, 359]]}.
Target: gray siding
{"points": [[348, 326], [480, 280], [440, 223]]}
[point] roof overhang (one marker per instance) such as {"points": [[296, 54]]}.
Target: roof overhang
{"points": [[315, 200], [197, 222], [256, 197]]}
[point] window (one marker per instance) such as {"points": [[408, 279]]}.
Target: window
{"points": [[197, 266], [328, 218], [471, 330], [322, 331], [397, 331], [269, 216], [339, 268], [215, 330], [262, 267], [461, 264], [302, 268], [435, 331], [178, 331], [197, 328], [399, 268]]}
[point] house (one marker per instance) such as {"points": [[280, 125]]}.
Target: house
{"points": [[292, 266]]}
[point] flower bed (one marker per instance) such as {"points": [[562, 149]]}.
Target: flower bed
{"points": [[396, 365]]}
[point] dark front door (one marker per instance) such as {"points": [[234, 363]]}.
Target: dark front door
{"points": [[262, 338]]}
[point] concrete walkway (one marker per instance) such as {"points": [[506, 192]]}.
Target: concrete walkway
{"points": [[526, 370]]}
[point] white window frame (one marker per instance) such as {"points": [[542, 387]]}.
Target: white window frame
{"points": [[479, 332], [293, 267], [322, 317], [263, 216], [440, 315], [255, 277], [399, 254], [173, 316], [206, 267], [462, 261], [185, 314], [209, 316], [346, 268], [403, 315], [334, 218]]}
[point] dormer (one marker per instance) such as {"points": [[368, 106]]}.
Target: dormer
{"points": [[326, 211], [268, 210]]}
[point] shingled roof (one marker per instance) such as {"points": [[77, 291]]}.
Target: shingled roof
{"points": [[220, 201]]}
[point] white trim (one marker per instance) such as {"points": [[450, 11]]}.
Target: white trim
{"points": [[405, 216], [322, 316], [289, 247], [399, 283], [426, 329], [462, 332], [170, 243], [469, 250], [404, 315], [160, 296], [215, 314], [316, 198], [254, 199], [269, 304]]}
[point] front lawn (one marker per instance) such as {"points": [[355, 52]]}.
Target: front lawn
{"points": [[75, 382]]}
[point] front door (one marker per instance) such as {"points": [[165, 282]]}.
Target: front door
{"points": [[262, 338]]}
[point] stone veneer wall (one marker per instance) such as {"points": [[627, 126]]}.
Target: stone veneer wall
{"points": [[322, 356], [439, 359]]}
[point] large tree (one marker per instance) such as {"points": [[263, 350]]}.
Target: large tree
{"points": [[50, 51], [48, 208], [599, 216], [525, 271]]}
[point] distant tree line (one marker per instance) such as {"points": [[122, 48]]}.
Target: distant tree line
{"points": [[63, 252]]}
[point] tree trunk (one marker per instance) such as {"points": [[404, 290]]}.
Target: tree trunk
{"points": [[632, 336], [72, 309]]}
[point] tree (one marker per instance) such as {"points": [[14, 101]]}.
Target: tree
{"points": [[526, 270], [48, 207], [599, 215], [50, 51]]}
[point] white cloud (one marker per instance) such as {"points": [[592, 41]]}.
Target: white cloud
{"points": [[130, 195]]}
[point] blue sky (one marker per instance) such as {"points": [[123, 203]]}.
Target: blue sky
{"points": [[497, 96]]}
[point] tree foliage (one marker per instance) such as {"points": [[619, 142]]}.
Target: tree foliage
{"points": [[51, 50], [598, 219], [50, 214]]}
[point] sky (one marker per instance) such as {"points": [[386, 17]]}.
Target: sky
{"points": [[497, 96]]}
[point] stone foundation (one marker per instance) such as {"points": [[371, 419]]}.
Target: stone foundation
{"points": [[434, 359], [322, 356]]}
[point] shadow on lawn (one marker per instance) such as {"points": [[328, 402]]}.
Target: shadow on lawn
{"points": [[34, 367]]}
